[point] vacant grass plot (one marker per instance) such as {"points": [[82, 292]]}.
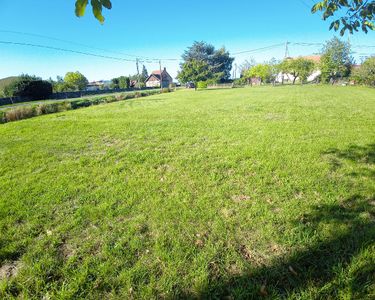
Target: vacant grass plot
{"points": [[242, 193]]}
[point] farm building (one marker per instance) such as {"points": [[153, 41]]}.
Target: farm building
{"points": [[154, 79]]}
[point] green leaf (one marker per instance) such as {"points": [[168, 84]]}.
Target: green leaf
{"points": [[97, 10], [81, 7], [106, 3]]}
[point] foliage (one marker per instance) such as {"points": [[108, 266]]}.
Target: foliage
{"points": [[246, 65], [261, 71], [223, 194], [144, 74], [299, 68], [4, 82], [219, 61], [336, 60], [121, 82], [28, 86], [97, 7], [76, 79], [202, 84], [194, 71], [365, 74], [356, 14]]}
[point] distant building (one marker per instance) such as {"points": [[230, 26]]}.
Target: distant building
{"points": [[98, 85], [154, 79]]}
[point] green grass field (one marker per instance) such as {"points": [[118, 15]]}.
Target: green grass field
{"points": [[236, 194]]}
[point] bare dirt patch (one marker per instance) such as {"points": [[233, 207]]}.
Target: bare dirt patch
{"points": [[9, 270]]}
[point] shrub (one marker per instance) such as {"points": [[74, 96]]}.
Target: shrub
{"points": [[365, 74], [80, 103], [2, 117], [165, 90], [19, 113], [29, 87], [202, 84]]}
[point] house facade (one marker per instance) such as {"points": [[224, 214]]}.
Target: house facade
{"points": [[156, 77]]}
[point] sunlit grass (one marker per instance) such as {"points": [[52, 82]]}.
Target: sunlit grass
{"points": [[235, 193]]}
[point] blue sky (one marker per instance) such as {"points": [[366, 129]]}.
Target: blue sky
{"points": [[155, 29]]}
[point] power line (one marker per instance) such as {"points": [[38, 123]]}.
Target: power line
{"points": [[84, 45], [259, 49], [66, 50]]}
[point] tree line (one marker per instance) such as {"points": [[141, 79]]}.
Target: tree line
{"points": [[35, 88], [203, 64]]}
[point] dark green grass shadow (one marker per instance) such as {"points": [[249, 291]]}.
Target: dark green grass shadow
{"points": [[319, 265]]}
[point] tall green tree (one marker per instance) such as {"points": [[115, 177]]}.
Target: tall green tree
{"points": [[194, 71], [219, 60], [144, 74], [355, 15], [336, 60], [76, 79]]}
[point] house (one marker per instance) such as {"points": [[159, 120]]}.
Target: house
{"points": [[98, 85], [154, 79]]}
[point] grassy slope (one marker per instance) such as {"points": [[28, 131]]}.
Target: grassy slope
{"points": [[193, 194], [5, 81]]}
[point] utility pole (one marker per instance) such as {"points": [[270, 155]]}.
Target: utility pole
{"points": [[161, 77], [286, 49], [137, 63]]}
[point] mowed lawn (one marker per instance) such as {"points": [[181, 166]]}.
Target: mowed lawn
{"points": [[237, 194]]}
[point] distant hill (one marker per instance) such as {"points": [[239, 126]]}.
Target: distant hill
{"points": [[5, 81]]}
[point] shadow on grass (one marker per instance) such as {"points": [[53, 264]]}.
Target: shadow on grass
{"points": [[344, 262]]}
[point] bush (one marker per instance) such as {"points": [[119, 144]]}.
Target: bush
{"points": [[2, 117], [80, 103], [202, 84], [365, 74], [29, 87], [19, 113], [165, 90]]}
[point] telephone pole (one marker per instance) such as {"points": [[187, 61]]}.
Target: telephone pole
{"points": [[137, 63], [161, 77], [286, 49]]}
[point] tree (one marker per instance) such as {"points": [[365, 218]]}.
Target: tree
{"points": [[194, 71], [365, 74], [28, 86], [299, 68], [336, 60], [76, 79], [144, 74], [246, 65], [219, 60], [123, 82], [97, 7], [274, 70], [261, 71], [356, 14]]}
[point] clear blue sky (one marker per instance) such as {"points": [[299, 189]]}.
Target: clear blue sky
{"points": [[155, 29]]}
